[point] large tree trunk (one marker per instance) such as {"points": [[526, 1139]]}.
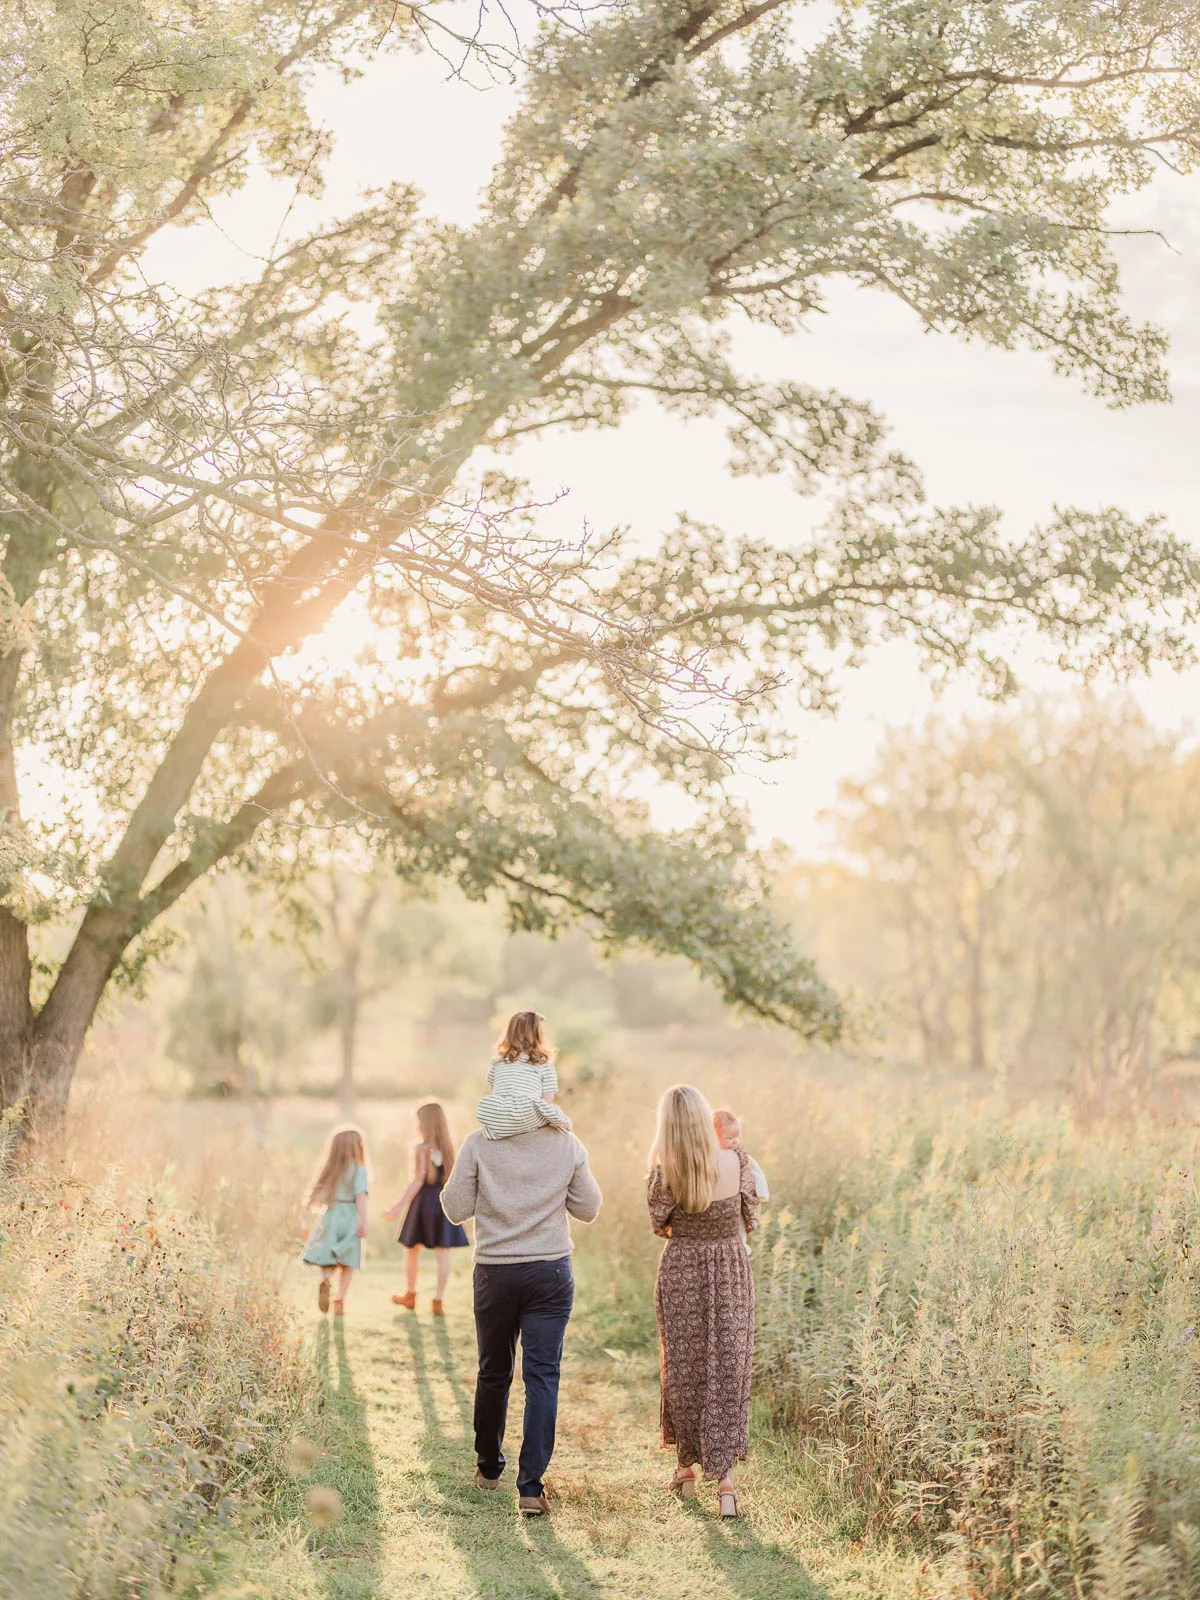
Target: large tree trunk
{"points": [[53, 1058], [27, 551], [39, 1053], [16, 1013], [64, 1020]]}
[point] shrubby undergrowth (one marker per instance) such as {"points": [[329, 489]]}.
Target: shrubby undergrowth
{"points": [[149, 1390], [986, 1330]]}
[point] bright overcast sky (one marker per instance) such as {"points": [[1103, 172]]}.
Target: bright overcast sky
{"points": [[984, 426]]}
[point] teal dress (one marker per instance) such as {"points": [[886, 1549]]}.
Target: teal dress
{"points": [[334, 1242]]}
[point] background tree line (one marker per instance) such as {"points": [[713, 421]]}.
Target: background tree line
{"points": [[1020, 894], [348, 985]]}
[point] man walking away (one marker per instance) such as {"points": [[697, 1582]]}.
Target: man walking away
{"points": [[520, 1192]]}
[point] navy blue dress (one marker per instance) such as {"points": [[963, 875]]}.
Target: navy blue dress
{"points": [[426, 1223]]}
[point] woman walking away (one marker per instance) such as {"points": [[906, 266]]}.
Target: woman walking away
{"points": [[340, 1186], [425, 1223], [700, 1197]]}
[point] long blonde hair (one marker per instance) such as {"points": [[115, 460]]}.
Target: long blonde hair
{"points": [[435, 1135], [525, 1036], [344, 1150], [685, 1147]]}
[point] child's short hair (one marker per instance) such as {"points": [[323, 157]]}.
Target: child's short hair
{"points": [[726, 1121]]}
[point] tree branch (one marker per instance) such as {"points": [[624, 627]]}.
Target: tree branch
{"points": [[203, 169]]}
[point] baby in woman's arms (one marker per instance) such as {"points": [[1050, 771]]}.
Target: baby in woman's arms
{"points": [[728, 1128]]}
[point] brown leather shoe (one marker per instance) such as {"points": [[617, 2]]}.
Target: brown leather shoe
{"points": [[408, 1301], [485, 1483], [438, 1309], [323, 1295], [534, 1505]]}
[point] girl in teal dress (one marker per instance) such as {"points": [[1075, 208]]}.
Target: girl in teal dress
{"points": [[339, 1190]]}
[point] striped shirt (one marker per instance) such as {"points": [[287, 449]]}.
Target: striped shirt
{"points": [[515, 1104]]}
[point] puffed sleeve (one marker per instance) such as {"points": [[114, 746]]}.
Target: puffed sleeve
{"points": [[751, 1204], [661, 1202], [361, 1181]]}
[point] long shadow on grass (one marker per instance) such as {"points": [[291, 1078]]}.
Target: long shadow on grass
{"points": [[757, 1570], [462, 1401], [351, 1547], [507, 1558]]}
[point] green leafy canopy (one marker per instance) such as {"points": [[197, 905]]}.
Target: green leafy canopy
{"points": [[191, 487]]}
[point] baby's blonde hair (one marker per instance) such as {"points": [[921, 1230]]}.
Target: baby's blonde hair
{"points": [[727, 1123], [685, 1147]]}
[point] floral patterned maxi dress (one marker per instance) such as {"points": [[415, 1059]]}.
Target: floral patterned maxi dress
{"points": [[704, 1302]]}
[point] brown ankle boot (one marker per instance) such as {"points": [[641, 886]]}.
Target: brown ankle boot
{"points": [[437, 1309], [408, 1301]]}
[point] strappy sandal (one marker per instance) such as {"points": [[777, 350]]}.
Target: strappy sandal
{"points": [[727, 1504], [323, 1295], [683, 1482]]}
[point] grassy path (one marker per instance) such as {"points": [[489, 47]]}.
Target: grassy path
{"points": [[396, 1437]]}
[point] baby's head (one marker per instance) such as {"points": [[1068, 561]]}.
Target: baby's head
{"points": [[727, 1127]]}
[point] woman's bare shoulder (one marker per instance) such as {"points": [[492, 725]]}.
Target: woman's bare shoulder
{"points": [[729, 1174]]}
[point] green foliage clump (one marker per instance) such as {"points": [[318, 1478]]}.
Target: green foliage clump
{"points": [[148, 1389], [993, 1343]]}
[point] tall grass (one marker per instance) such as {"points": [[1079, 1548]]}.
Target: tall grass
{"points": [[149, 1382], [977, 1328], [989, 1336]]}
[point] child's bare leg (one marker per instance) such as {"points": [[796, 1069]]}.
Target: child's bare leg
{"points": [[412, 1261], [444, 1265], [344, 1285], [326, 1274]]}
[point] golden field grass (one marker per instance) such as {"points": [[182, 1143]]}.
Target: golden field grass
{"points": [[977, 1368]]}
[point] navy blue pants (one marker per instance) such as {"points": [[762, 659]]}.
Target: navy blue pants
{"points": [[533, 1299]]}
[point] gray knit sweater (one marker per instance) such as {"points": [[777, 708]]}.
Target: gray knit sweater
{"points": [[520, 1191]]}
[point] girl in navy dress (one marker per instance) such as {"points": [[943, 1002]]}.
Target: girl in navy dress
{"points": [[425, 1223]]}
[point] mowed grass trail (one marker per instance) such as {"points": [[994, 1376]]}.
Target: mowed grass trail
{"points": [[395, 1436]]}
